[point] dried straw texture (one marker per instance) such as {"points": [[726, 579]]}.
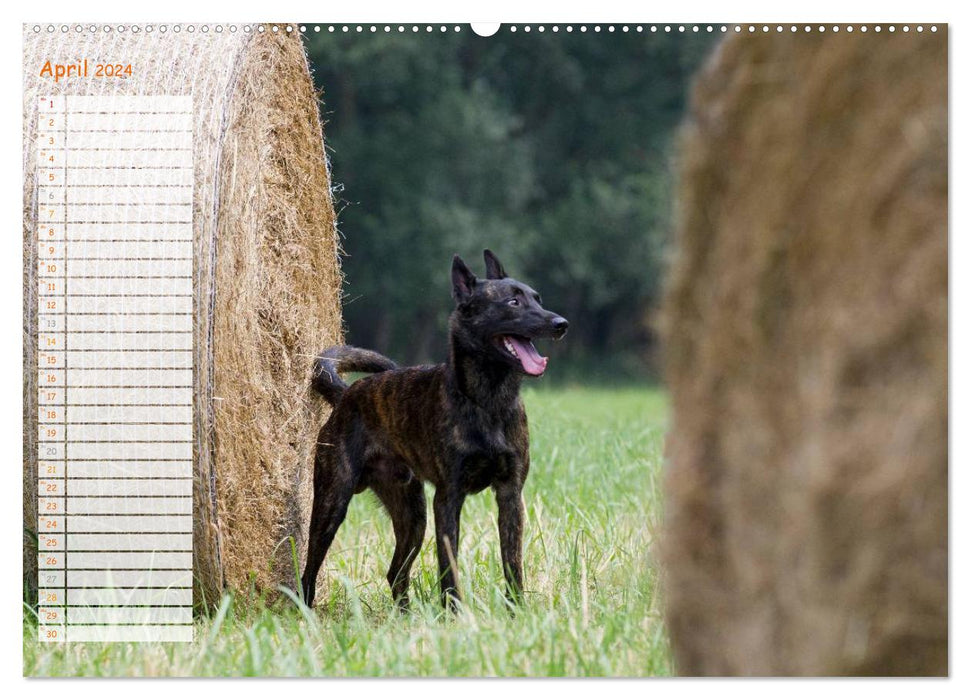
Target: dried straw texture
{"points": [[266, 280], [806, 330], [277, 252]]}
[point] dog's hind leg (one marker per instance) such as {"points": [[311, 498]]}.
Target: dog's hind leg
{"points": [[333, 489], [405, 504]]}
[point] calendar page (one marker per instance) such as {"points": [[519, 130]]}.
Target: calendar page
{"points": [[546, 349]]}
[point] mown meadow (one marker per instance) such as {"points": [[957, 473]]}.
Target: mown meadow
{"points": [[592, 606]]}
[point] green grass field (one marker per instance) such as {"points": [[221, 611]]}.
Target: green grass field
{"points": [[593, 508]]}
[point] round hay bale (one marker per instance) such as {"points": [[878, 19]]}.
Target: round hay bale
{"points": [[806, 354], [266, 281]]}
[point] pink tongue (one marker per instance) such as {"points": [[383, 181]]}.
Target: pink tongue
{"points": [[533, 363]]}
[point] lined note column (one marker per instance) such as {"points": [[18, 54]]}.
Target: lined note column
{"points": [[128, 376], [51, 193]]}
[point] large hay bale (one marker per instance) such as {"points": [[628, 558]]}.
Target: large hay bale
{"points": [[266, 279], [806, 330]]}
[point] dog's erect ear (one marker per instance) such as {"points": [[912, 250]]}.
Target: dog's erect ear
{"points": [[494, 269], [463, 281]]}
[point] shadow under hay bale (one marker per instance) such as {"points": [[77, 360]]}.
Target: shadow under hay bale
{"points": [[806, 353], [266, 283]]}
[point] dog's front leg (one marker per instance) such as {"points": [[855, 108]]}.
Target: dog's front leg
{"points": [[509, 500], [448, 508]]}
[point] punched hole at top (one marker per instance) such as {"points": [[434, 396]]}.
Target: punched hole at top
{"points": [[485, 28]]}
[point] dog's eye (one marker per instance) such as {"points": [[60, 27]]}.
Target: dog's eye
{"points": [[513, 302]]}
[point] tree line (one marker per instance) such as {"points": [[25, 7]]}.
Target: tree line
{"points": [[553, 150]]}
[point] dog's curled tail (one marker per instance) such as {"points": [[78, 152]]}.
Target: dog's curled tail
{"points": [[344, 358]]}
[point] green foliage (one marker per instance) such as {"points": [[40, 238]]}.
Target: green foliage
{"points": [[591, 608], [552, 149]]}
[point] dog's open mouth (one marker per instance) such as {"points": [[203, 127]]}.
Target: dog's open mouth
{"points": [[523, 350]]}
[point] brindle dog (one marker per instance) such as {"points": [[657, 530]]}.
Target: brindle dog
{"points": [[460, 425]]}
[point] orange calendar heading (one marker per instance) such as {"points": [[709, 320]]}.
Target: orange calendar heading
{"points": [[84, 69]]}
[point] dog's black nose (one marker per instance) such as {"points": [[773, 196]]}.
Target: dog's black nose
{"points": [[560, 325]]}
